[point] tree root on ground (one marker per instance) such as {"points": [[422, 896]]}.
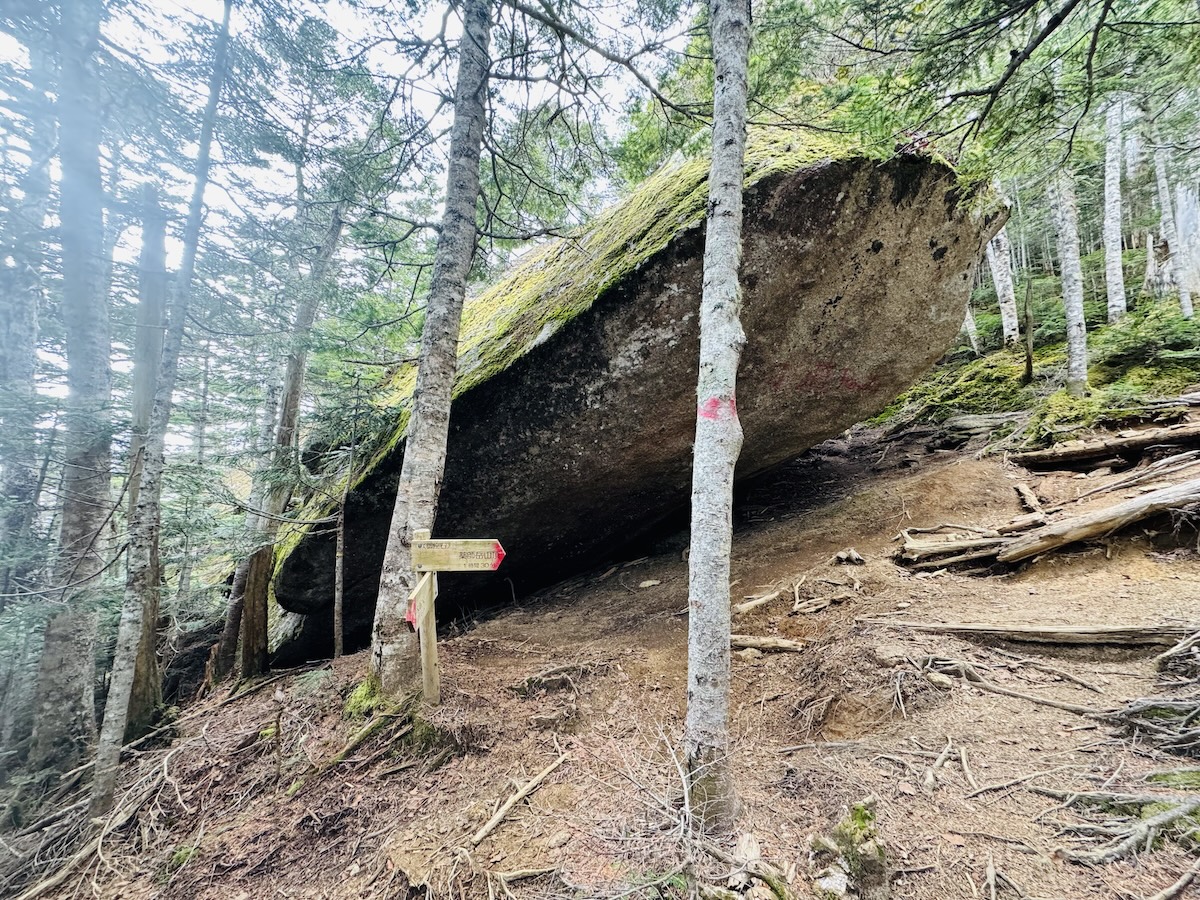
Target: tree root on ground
{"points": [[1171, 724], [1146, 818]]}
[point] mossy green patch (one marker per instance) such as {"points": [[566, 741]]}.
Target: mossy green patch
{"points": [[1188, 779], [365, 698], [180, 858], [1151, 353]]}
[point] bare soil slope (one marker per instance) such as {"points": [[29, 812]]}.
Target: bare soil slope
{"points": [[849, 717]]}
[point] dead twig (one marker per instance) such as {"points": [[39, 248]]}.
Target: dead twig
{"points": [[532, 785]]}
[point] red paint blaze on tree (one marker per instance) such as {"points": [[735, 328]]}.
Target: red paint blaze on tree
{"points": [[713, 408]]}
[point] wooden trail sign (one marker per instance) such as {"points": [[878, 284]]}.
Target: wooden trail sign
{"points": [[457, 556], [430, 557]]}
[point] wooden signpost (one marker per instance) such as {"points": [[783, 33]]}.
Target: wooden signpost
{"points": [[430, 557]]}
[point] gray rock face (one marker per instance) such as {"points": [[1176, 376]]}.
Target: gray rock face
{"points": [[855, 278]]}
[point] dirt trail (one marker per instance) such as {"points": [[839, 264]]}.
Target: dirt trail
{"points": [[866, 722]]}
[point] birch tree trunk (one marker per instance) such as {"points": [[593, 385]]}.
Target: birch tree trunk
{"points": [[969, 329], [1152, 282], [712, 793], [1114, 275], [258, 577], [1064, 211], [1170, 233], [1187, 224], [147, 353], [141, 581], [395, 652], [999, 256], [64, 700]]}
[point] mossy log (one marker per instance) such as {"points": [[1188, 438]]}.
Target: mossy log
{"points": [[574, 415]]}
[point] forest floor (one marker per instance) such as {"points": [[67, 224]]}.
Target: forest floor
{"points": [[850, 717]]}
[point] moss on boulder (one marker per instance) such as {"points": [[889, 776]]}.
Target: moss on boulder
{"points": [[575, 399]]}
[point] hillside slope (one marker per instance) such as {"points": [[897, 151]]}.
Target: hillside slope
{"points": [[247, 801]]}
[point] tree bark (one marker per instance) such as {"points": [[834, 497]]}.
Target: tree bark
{"points": [[1187, 224], [999, 255], [712, 793], [1064, 210], [226, 650], [254, 633], [22, 238], [969, 329], [1114, 274], [146, 696], [65, 718], [141, 582], [339, 575], [1170, 233], [395, 652]]}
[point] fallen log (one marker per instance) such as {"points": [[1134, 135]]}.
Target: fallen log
{"points": [[1101, 521], [1140, 635], [1123, 444], [759, 642]]}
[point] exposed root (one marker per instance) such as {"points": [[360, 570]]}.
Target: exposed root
{"points": [[1131, 834]]}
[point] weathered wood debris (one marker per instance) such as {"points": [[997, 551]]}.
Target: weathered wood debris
{"points": [[1043, 529]]}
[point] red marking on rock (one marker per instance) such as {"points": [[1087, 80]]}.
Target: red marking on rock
{"points": [[410, 614], [716, 408]]}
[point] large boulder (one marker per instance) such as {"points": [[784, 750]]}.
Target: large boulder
{"points": [[572, 428]]}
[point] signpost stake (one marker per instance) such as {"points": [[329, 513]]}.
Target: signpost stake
{"points": [[429, 557]]}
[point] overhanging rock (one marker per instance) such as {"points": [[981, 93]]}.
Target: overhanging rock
{"points": [[575, 408]]}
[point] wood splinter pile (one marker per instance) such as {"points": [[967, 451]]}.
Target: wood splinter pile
{"points": [[1043, 529]]}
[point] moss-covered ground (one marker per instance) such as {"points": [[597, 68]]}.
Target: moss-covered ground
{"points": [[1151, 354]]}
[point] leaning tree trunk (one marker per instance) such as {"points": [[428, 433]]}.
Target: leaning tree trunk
{"points": [[261, 562], [395, 652], [147, 353], [65, 720], [999, 256], [141, 582], [711, 791], [1114, 275], [1170, 233], [1064, 210]]}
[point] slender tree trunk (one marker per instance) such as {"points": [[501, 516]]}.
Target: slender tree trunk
{"points": [[395, 652], [1152, 285], [1170, 233], [712, 794], [184, 593], [339, 574], [226, 651], [22, 238], [1064, 210], [254, 632], [142, 584], [1114, 275], [65, 717], [970, 330], [999, 256], [1187, 224], [146, 695]]}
